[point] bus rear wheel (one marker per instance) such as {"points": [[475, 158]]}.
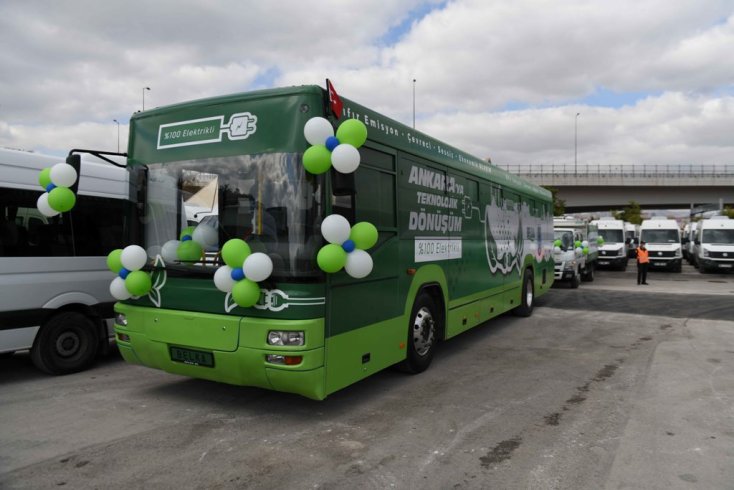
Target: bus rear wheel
{"points": [[527, 299], [67, 343], [422, 335]]}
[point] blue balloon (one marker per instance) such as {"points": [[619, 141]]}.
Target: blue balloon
{"points": [[123, 273], [50, 187], [238, 274], [349, 246], [331, 143], [186, 238]]}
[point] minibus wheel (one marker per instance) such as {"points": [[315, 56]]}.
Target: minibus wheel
{"points": [[67, 343]]}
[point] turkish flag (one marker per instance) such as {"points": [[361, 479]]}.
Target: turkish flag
{"points": [[334, 101]]}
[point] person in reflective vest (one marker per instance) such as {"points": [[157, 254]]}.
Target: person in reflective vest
{"points": [[643, 260]]}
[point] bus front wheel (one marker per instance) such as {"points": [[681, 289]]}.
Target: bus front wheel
{"points": [[67, 343], [422, 335]]}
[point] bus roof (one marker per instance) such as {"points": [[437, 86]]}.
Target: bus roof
{"points": [[381, 129], [20, 169]]}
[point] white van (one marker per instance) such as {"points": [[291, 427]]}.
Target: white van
{"points": [[714, 244], [662, 238], [54, 281], [613, 252]]}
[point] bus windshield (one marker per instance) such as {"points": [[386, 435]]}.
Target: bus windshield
{"points": [[660, 236], [268, 200], [718, 237]]}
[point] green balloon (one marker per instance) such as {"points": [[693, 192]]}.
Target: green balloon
{"points": [[353, 132], [364, 235], [317, 159], [189, 230], [586, 251], [600, 240], [557, 243], [234, 252], [331, 258], [138, 283], [246, 293], [113, 260], [44, 178], [61, 199], [577, 244], [189, 251]]}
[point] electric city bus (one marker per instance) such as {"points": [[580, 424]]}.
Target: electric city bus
{"points": [[459, 241]]}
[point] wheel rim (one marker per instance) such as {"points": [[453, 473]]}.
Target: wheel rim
{"points": [[423, 331], [67, 344], [529, 294]]}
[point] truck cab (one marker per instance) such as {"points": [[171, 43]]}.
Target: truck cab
{"points": [[714, 244], [662, 238], [613, 252], [575, 250]]}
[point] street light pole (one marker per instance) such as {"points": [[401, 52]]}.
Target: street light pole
{"points": [[118, 134], [575, 142], [144, 89], [414, 103]]}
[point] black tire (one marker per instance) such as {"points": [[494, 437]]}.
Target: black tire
{"points": [[7, 355], [574, 283], [67, 343], [423, 331], [589, 276], [527, 300]]}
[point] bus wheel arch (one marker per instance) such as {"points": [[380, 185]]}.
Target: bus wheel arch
{"points": [[67, 342]]}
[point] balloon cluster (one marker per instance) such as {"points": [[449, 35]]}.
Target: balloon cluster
{"points": [[242, 272], [191, 244], [346, 247], [58, 198], [130, 280], [327, 150]]}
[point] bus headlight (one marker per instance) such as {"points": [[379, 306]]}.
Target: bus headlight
{"points": [[121, 319], [286, 337]]}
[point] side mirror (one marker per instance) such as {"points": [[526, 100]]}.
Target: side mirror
{"points": [[75, 161]]}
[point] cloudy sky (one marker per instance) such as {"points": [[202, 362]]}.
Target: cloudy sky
{"points": [[652, 80]]}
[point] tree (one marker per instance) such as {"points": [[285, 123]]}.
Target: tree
{"points": [[559, 205], [728, 211], [632, 213]]}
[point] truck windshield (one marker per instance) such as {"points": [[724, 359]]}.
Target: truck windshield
{"points": [[565, 236], [660, 236], [267, 200], [718, 237], [612, 236]]}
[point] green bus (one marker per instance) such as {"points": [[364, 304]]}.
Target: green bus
{"points": [[459, 241]]}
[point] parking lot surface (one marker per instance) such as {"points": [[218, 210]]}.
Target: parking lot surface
{"points": [[611, 385]]}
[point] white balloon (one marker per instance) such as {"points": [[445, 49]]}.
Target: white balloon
{"points": [[335, 228], [345, 158], [118, 289], [133, 257], [359, 264], [63, 175], [44, 207], [257, 267], [584, 244], [557, 249], [205, 235], [317, 129], [578, 250], [168, 250], [223, 279]]}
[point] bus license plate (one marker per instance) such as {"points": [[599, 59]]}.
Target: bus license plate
{"points": [[193, 357]]}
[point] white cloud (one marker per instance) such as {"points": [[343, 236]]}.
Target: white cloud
{"points": [[72, 67]]}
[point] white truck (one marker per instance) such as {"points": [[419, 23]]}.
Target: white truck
{"points": [[613, 251], [575, 250], [714, 244], [662, 238]]}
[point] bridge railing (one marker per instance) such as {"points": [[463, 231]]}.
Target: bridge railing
{"points": [[611, 174]]}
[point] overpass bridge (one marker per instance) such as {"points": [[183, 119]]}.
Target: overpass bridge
{"points": [[602, 187]]}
